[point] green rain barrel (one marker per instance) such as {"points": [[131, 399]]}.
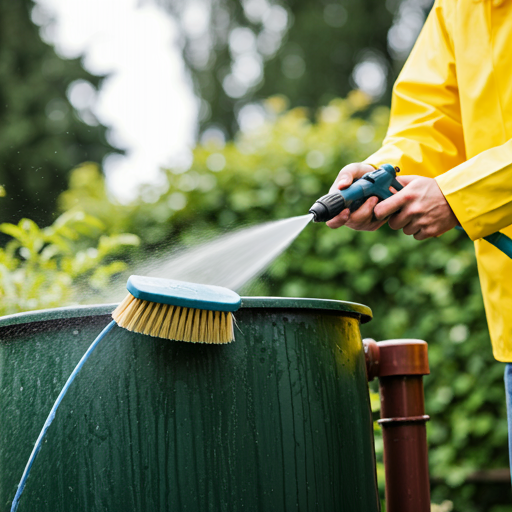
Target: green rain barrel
{"points": [[279, 420]]}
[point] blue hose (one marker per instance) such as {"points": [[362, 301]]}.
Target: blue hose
{"points": [[499, 240], [51, 416]]}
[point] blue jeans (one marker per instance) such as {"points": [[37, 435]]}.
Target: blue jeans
{"points": [[508, 395]]}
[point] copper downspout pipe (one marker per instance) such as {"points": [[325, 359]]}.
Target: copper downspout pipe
{"points": [[400, 366]]}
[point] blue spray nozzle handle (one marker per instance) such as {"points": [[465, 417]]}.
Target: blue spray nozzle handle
{"points": [[374, 183]]}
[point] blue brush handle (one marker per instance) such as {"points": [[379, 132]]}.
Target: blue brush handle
{"points": [[183, 294], [499, 240]]}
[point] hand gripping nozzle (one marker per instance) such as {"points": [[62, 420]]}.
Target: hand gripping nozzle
{"points": [[374, 183]]}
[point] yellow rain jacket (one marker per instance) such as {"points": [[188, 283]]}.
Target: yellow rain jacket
{"points": [[451, 118]]}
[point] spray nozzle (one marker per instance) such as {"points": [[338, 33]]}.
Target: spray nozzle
{"points": [[327, 207], [375, 183]]}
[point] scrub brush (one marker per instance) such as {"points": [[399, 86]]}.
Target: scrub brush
{"points": [[177, 310]]}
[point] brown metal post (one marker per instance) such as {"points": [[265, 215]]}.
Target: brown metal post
{"points": [[400, 366]]}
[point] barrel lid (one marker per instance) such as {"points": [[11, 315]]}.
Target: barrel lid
{"points": [[43, 315]]}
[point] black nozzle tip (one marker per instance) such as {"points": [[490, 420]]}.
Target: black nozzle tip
{"points": [[327, 207], [319, 212]]}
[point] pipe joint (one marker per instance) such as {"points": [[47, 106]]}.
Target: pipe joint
{"points": [[384, 422]]}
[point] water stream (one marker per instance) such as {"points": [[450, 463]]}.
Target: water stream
{"points": [[233, 259]]}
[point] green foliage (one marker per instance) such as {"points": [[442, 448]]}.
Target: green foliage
{"points": [[41, 136], [427, 290], [318, 43], [272, 173], [57, 265]]}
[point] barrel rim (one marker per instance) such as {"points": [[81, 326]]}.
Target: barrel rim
{"points": [[69, 312], [361, 310]]}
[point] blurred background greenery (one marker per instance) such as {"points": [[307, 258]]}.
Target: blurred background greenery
{"points": [[268, 145]]}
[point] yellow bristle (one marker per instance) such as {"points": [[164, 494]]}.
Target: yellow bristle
{"points": [[187, 330], [222, 334], [166, 321], [124, 305], [187, 319], [144, 317], [161, 324], [227, 333], [125, 315], [209, 327], [174, 322], [225, 328], [203, 323], [196, 324], [139, 307], [124, 308], [150, 326], [231, 327], [216, 327], [222, 327], [189, 326], [178, 324], [207, 323]]}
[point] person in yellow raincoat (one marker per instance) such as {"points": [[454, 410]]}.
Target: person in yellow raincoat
{"points": [[450, 133]]}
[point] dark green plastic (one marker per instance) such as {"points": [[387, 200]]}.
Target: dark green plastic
{"points": [[279, 420]]}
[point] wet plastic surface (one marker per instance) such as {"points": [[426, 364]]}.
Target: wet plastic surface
{"points": [[278, 420]]}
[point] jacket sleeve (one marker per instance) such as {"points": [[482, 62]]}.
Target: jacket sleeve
{"points": [[479, 191], [425, 135]]}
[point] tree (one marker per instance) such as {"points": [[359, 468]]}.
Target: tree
{"points": [[41, 135], [309, 51]]}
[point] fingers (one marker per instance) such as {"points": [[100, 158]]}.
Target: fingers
{"points": [[400, 220], [348, 174], [405, 180], [391, 205], [422, 235], [370, 226], [364, 214], [397, 201], [340, 219], [411, 229], [362, 219]]}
